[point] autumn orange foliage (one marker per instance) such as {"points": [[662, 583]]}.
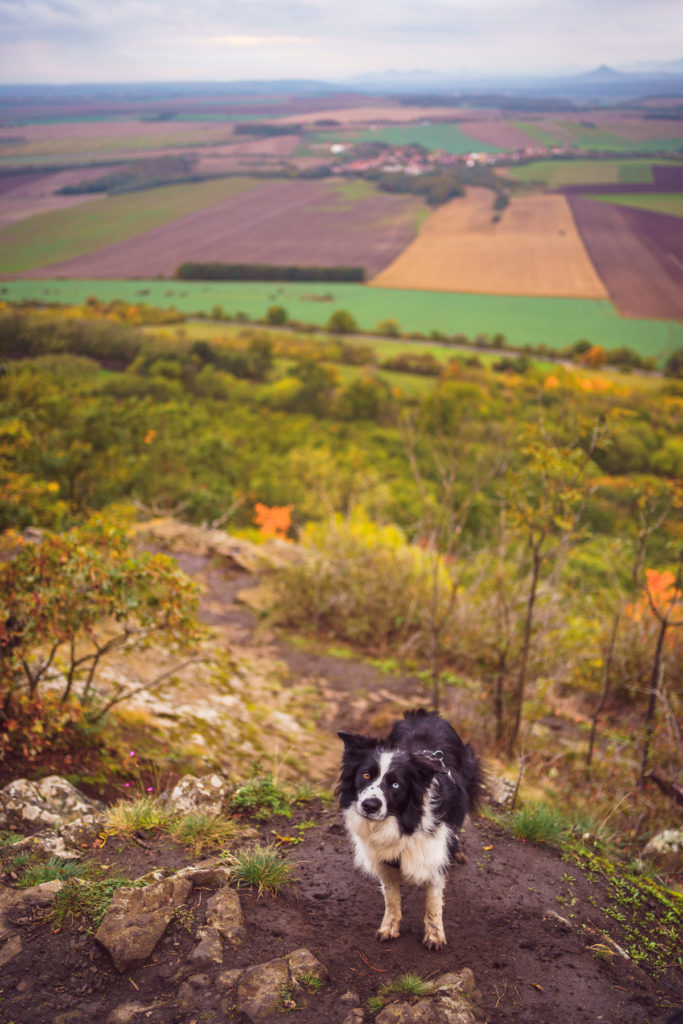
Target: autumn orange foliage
{"points": [[663, 592], [275, 521]]}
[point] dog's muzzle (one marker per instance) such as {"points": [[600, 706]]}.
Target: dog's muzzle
{"points": [[370, 806]]}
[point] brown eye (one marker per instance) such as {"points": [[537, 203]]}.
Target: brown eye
{"points": [[366, 775]]}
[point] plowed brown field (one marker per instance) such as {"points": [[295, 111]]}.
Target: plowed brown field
{"points": [[282, 222], [534, 249], [638, 254]]}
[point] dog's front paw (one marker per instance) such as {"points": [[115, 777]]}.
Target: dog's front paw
{"points": [[389, 930], [434, 939]]}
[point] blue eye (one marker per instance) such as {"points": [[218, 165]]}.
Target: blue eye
{"points": [[394, 785]]}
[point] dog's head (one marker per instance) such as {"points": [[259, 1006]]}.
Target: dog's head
{"points": [[378, 781]]}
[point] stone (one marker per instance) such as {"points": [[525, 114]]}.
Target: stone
{"points": [[18, 902], [9, 949], [259, 993], [356, 1016], [302, 962], [210, 946], [423, 1012], [456, 982], [82, 831], [47, 844], [51, 801], [212, 872], [229, 979], [666, 850], [137, 919], [208, 794], [125, 1012], [498, 790], [224, 913]]}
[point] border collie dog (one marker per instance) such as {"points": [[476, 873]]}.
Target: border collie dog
{"points": [[403, 799]]}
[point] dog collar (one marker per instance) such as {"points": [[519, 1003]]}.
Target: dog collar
{"points": [[436, 755]]}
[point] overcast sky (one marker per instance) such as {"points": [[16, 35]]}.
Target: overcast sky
{"points": [[146, 40]]}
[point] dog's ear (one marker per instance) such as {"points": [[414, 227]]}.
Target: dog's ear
{"points": [[353, 741]]}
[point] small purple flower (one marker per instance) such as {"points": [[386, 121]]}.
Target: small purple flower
{"points": [[126, 783], [150, 789]]}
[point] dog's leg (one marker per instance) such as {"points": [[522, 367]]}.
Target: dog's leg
{"points": [[390, 879], [434, 937]]}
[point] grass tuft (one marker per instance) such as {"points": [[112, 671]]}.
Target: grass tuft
{"points": [[409, 984], [539, 823], [51, 869], [87, 901], [262, 868], [201, 831], [129, 816]]}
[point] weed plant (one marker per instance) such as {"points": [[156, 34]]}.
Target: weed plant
{"points": [[261, 868], [36, 874], [88, 901], [129, 816], [539, 823], [261, 796], [409, 985]]}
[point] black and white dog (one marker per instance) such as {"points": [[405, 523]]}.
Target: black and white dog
{"points": [[404, 799]]}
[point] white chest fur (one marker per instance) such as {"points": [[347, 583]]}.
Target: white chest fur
{"points": [[423, 855]]}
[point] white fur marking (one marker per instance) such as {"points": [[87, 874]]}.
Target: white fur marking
{"points": [[375, 788]]}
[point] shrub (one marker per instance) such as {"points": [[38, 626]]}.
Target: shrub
{"points": [[261, 796], [262, 868]]}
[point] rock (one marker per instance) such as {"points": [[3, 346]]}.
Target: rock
{"points": [[9, 949], [137, 919], [455, 994], [458, 983], [356, 1016], [82, 831], [259, 993], [72, 1017], [124, 1013], [18, 902], [557, 919], [52, 801], [224, 913], [47, 844], [209, 795], [228, 979], [302, 963], [666, 850], [498, 790], [207, 873], [210, 946], [423, 1012]]}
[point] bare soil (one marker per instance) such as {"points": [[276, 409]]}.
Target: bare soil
{"points": [[638, 255], [500, 919], [282, 222]]}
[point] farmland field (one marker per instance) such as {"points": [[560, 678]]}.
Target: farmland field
{"points": [[534, 249], [326, 223], [668, 202], [556, 323], [638, 254], [556, 173], [65, 234]]}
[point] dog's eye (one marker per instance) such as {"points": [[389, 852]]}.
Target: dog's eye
{"points": [[395, 785], [366, 775]]}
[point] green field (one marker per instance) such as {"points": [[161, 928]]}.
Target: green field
{"points": [[587, 137], [542, 135], [557, 173], [657, 202], [524, 321], [63, 234], [447, 137]]}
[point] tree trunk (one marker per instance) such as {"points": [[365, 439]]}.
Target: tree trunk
{"points": [[526, 646], [652, 702], [606, 680]]}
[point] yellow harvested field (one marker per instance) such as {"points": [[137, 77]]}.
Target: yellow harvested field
{"points": [[534, 249], [383, 114]]}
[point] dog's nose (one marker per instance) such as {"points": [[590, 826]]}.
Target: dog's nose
{"points": [[371, 805]]}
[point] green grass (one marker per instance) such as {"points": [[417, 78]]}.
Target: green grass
{"points": [[409, 984], [261, 868], [538, 823], [126, 817], [556, 323], [556, 173], [64, 234], [665, 202], [262, 797], [54, 868], [587, 137], [88, 902], [448, 137]]}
